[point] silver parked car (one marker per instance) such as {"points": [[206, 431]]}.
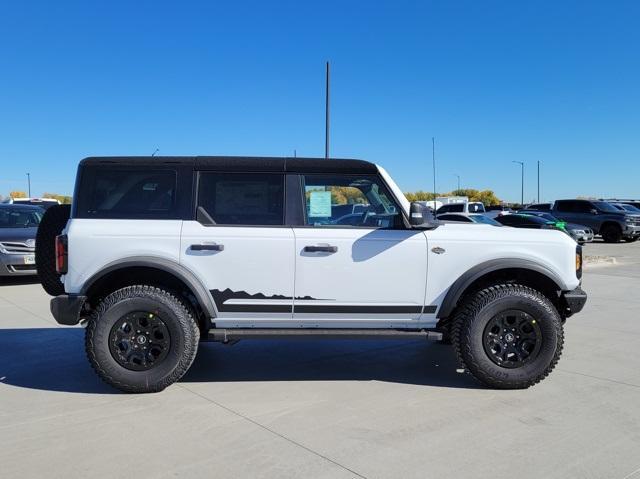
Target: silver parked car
{"points": [[18, 228]]}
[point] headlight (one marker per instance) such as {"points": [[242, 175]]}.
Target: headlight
{"points": [[31, 243], [2, 250], [580, 232], [629, 220]]}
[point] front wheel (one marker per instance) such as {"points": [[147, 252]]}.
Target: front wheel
{"points": [[508, 336], [141, 339], [611, 233]]}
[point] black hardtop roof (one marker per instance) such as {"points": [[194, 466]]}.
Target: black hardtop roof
{"points": [[242, 163]]}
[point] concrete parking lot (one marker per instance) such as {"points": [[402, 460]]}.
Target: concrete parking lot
{"points": [[375, 409]]}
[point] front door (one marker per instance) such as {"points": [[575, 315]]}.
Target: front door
{"points": [[240, 246], [356, 263]]}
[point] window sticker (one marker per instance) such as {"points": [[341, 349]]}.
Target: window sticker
{"points": [[320, 204]]}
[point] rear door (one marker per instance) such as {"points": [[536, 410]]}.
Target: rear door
{"points": [[576, 211], [367, 270], [239, 245]]}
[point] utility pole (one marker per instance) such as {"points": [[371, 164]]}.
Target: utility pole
{"points": [[29, 183], [433, 157], [295, 154], [458, 181], [521, 181], [326, 116], [538, 181]]}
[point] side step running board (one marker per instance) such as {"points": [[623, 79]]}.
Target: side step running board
{"points": [[229, 335]]}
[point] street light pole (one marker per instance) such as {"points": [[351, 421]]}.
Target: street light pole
{"points": [[29, 183], [458, 181], [538, 181], [326, 116], [521, 181], [433, 157]]}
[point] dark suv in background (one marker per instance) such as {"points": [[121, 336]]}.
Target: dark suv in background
{"points": [[607, 221]]}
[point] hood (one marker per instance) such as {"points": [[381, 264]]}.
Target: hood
{"points": [[18, 235]]}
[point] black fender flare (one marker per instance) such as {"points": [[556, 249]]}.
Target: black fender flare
{"points": [[183, 274], [458, 288]]}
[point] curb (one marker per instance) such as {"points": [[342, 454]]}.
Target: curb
{"points": [[592, 260]]}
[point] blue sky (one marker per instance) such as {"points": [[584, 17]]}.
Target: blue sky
{"points": [[555, 81]]}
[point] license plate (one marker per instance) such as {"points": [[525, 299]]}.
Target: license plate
{"points": [[30, 259]]}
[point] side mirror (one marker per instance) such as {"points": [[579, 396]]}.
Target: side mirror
{"points": [[594, 211], [421, 216]]}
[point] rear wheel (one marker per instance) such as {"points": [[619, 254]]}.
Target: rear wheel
{"points": [[141, 339], [508, 336], [611, 233], [52, 224]]}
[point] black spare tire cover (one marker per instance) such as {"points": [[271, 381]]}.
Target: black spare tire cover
{"points": [[52, 224]]}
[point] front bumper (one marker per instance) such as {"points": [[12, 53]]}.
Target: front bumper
{"points": [[587, 237], [573, 301], [66, 308], [17, 264], [631, 230]]}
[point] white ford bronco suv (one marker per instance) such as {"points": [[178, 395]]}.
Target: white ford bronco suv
{"points": [[158, 253]]}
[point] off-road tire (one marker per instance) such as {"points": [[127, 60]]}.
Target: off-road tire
{"points": [[475, 313], [182, 328], [611, 233], [52, 224]]}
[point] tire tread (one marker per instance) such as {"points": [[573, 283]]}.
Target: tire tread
{"points": [[192, 337], [461, 338]]}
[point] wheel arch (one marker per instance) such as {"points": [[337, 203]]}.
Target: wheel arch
{"points": [[523, 271], [157, 272], [608, 223]]}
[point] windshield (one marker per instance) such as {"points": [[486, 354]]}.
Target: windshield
{"points": [[19, 218], [631, 208], [603, 206]]}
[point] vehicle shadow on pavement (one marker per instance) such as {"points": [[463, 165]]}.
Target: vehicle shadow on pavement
{"points": [[53, 359], [18, 280], [401, 361]]}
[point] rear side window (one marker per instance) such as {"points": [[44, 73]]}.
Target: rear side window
{"points": [[476, 208], [129, 193], [242, 198], [566, 206]]}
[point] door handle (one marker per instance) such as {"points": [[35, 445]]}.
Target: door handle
{"points": [[321, 249], [207, 247]]}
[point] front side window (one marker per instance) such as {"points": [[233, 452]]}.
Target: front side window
{"points": [[349, 201], [242, 198]]}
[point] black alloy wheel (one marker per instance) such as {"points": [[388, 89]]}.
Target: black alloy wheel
{"points": [[512, 338], [508, 336], [141, 338], [139, 341]]}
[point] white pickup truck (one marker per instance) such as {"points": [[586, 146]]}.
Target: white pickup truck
{"points": [[159, 253]]}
